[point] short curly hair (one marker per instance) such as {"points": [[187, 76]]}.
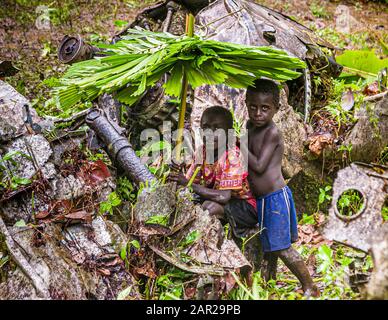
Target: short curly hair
{"points": [[267, 87], [222, 112]]}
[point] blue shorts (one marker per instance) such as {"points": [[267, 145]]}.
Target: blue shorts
{"points": [[277, 219]]}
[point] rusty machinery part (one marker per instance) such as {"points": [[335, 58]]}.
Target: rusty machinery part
{"points": [[171, 6], [118, 147], [357, 230], [74, 49], [31, 126], [157, 17], [307, 94], [195, 5]]}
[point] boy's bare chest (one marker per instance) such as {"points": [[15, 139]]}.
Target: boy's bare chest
{"points": [[256, 141]]}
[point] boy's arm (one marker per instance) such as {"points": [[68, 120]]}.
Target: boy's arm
{"points": [[259, 163], [220, 196]]}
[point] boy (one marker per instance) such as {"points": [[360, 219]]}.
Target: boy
{"points": [[222, 184], [275, 206]]}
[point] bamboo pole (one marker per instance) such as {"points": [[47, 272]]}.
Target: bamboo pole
{"points": [[185, 84]]}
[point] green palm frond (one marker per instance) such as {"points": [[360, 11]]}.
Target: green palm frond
{"points": [[135, 63]]}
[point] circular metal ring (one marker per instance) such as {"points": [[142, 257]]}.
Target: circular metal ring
{"points": [[358, 214]]}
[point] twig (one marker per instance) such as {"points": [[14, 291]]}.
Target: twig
{"points": [[39, 285], [198, 270], [376, 96], [80, 114]]}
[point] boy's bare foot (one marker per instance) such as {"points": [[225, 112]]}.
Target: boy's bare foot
{"points": [[312, 292]]}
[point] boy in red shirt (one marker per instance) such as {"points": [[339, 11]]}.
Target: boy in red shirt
{"points": [[222, 185]]}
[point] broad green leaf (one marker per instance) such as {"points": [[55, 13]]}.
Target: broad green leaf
{"points": [[362, 63], [135, 244]]}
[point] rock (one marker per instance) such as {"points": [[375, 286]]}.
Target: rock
{"points": [[154, 201], [35, 151], [212, 252], [98, 275], [294, 134], [19, 208], [305, 190], [11, 113], [369, 136], [359, 229], [377, 287]]}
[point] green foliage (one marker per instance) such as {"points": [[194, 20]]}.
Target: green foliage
{"points": [[319, 11], [120, 23], [126, 250], [346, 149], [357, 40], [191, 238], [158, 219], [8, 163], [383, 158], [307, 219], [335, 107], [170, 285], [112, 202], [21, 223], [333, 266], [3, 261], [123, 294], [155, 148], [126, 190], [237, 124], [384, 212], [350, 202], [139, 60], [262, 290], [331, 277], [363, 63], [324, 195]]}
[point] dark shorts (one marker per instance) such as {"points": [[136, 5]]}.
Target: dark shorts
{"points": [[277, 217], [241, 215]]}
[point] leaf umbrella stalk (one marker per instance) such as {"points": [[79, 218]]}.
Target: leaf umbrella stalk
{"points": [[185, 84]]}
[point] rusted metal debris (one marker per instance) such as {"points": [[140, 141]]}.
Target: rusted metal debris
{"points": [[359, 229], [118, 146], [377, 287], [74, 49]]}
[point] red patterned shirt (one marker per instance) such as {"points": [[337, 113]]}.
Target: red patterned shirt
{"points": [[227, 173]]}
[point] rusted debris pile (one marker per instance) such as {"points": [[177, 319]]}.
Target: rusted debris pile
{"points": [[60, 247]]}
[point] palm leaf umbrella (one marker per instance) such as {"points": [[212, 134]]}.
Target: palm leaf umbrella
{"points": [[135, 63]]}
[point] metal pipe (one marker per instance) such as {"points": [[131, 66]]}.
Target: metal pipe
{"points": [[171, 8], [118, 147], [307, 94]]}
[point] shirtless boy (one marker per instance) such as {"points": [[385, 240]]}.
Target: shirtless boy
{"points": [[275, 205]]}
